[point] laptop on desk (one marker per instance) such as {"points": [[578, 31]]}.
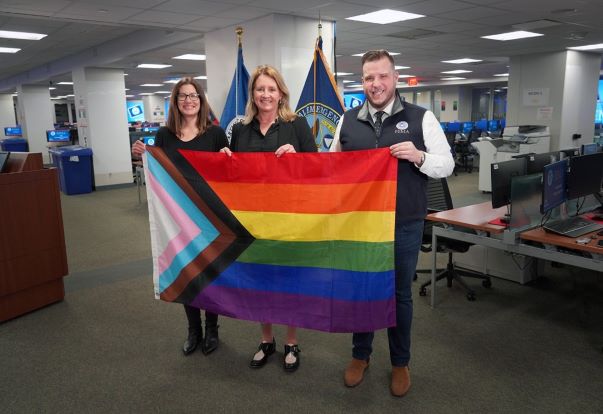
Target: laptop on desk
{"points": [[572, 226]]}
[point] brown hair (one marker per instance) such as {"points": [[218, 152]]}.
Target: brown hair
{"points": [[284, 111], [174, 122], [373, 55]]}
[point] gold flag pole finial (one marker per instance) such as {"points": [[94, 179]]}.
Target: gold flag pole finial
{"points": [[239, 32]]}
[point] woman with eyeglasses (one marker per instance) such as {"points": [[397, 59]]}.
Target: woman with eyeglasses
{"points": [[271, 126], [189, 127]]}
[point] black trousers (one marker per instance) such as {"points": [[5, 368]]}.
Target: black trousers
{"points": [[193, 315]]}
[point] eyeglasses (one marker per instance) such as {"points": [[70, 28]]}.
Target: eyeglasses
{"points": [[191, 96]]}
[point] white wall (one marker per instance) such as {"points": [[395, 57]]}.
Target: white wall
{"points": [[290, 52], [36, 111], [154, 109], [7, 113], [449, 95], [424, 99], [100, 100]]}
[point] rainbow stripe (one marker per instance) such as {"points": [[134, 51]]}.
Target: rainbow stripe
{"points": [[305, 239]]}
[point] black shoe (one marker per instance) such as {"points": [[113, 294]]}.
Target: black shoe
{"points": [[268, 349], [210, 342], [294, 350], [194, 337]]}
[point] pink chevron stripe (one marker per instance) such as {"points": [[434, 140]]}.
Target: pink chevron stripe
{"points": [[188, 229]]}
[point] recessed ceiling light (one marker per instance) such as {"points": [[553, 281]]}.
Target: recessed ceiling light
{"points": [[21, 35], [201, 77], [171, 81], [9, 49], [401, 67], [153, 85], [463, 60], [390, 53], [125, 74], [153, 66], [129, 96], [146, 93], [385, 16], [163, 92], [587, 47], [406, 76], [453, 78], [519, 34], [51, 88], [65, 83], [70, 95], [348, 81], [190, 56], [454, 72], [501, 74], [343, 73], [126, 89]]}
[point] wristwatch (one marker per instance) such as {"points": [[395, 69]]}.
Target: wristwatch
{"points": [[422, 159]]}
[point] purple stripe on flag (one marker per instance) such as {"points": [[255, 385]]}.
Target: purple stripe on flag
{"points": [[303, 311]]}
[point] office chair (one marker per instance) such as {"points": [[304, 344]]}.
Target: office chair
{"points": [[439, 199]]}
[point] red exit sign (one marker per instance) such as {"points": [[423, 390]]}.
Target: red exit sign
{"points": [[412, 81]]}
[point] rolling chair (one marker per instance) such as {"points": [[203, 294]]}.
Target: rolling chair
{"points": [[438, 199]]}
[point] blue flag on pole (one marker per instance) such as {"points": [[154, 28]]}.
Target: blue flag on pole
{"points": [[319, 102], [234, 109]]}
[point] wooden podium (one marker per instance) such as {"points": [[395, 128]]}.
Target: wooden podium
{"points": [[33, 259]]}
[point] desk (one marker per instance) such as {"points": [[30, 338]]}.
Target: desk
{"points": [[476, 217]]}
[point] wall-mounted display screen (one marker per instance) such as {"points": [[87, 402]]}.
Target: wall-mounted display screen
{"points": [[599, 107], [58, 135], [15, 131], [135, 111], [352, 100]]}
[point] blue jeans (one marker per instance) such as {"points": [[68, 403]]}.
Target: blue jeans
{"points": [[407, 244]]}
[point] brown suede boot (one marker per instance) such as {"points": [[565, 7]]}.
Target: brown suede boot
{"points": [[354, 373], [400, 381]]}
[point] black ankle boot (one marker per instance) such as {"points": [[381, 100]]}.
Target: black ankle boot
{"points": [[268, 349], [291, 349], [194, 337], [210, 342]]}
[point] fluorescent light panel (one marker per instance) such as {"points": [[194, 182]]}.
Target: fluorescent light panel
{"points": [[65, 83], [343, 73], [587, 47], [461, 61], [9, 49], [519, 34], [385, 16], [6, 34], [171, 81], [453, 78], [201, 77], [190, 56], [501, 74], [401, 67], [153, 66], [456, 72], [153, 85], [406, 76], [163, 92]]}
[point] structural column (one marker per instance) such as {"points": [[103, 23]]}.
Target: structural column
{"points": [[100, 103], [283, 41], [558, 90], [7, 113], [36, 112]]}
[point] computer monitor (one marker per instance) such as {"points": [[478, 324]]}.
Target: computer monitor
{"points": [[468, 127], [15, 131], [482, 125], [150, 129], [501, 174], [444, 126], [493, 125], [536, 162], [149, 140], [454, 127], [3, 160], [570, 152], [585, 175], [554, 188], [586, 149], [58, 135]]}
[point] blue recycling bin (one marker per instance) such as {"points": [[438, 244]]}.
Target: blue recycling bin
{"points": [[14, 145], [74, 164]]}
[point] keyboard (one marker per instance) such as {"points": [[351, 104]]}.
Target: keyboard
{"points": [[572, 227]]}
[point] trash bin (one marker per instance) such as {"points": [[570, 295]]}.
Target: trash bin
{"points": [[74, 164], [14, 145]]}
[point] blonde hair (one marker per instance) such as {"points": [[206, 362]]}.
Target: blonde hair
{"points": [[284, 111], [174, 122]]}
